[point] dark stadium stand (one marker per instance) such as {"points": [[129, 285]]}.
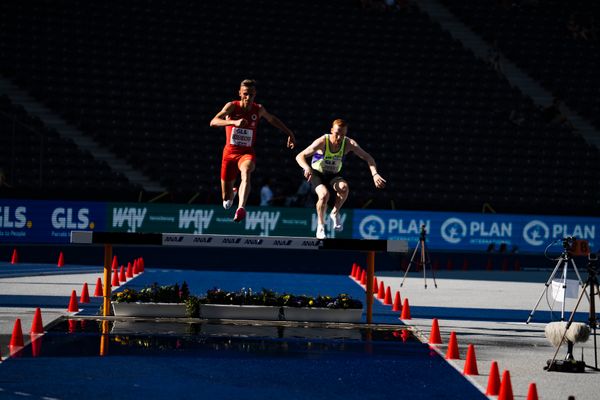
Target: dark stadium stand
{"points": [[37, 163], [541, 39], [144, 78]]}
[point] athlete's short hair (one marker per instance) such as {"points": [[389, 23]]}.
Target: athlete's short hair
{"points": [[340, 122], [249, 83]]}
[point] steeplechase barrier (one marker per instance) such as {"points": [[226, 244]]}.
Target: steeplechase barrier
{"points": [[108, 239]]}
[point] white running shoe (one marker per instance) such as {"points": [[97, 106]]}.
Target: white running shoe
{"points": [[228, 203], [320, 231], [337, 221]]}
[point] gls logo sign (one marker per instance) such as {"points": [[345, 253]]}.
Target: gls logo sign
{"points": [[63, 218], [13, 219]]}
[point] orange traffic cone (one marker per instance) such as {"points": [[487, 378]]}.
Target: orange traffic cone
{"points": [[15, 257], [36, 345], [532, 392], [381, 291], [115, 279], [397, 305], [452, 353], [387, 300], [375, 288], [434, 335], [122, 277], [37, 327], [506, 392], [73, 306], [405, 310], [471, 363], [493, 386], [16, 340], [85, 294], [98, 290], [61, 260]]}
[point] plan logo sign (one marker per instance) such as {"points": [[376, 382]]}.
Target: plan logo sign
{"points": [[372, 227], [538, 233], [453, 230]]}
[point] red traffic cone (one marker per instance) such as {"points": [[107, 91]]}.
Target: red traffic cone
{"points": [[16, 340], [129, 271], [136, 267], [115, 279], [36, 345], [397, 306], [387, 300], [37, 327], [73, 306], [375, 288], [434, 335], [452, 353], [115, 263], [381, 291], [122, 277], [532, 392], [85, 294], [61, 260], [98, 290], [353, 271], [505, 392], [15, 257], [405, 310], [363, 278], [141, 264], [471, 363], [493, 386]]}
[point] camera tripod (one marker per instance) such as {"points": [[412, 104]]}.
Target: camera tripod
{"points": [[592, 284], [563, 260], [423, 259]]}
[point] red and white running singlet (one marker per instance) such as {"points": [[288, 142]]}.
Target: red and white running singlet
{"points": [[241, 140]]}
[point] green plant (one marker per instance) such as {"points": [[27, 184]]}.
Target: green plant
{"points": [[154, 294]]}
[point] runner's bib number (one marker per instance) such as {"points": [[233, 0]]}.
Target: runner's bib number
{"points": [[241, 137]]}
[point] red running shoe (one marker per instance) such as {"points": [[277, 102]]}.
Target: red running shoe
{"points": [[240, 214]]}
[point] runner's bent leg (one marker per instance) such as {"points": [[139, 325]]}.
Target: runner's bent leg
{"points": [[322, 199], [341, 194], [246, 169]]}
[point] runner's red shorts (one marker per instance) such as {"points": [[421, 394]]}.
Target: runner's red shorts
{"points": [[230, 164]]}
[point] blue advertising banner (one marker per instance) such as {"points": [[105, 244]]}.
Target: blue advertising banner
{"points": [[30, 221], [448, 231]]}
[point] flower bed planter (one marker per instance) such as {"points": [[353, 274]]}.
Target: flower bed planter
{"points": [[311, 314], [168, 310], [231, 311]]}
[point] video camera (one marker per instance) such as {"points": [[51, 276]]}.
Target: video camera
{"points": [[576, 247]]}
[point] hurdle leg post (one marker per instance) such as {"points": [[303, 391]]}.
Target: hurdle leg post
{"points": [[107, 280], [370, 276]]}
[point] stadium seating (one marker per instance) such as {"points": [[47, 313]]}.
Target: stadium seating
{"points": [[144, 78]]}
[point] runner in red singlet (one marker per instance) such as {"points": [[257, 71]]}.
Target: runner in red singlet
{"points": [[240, 119]]}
